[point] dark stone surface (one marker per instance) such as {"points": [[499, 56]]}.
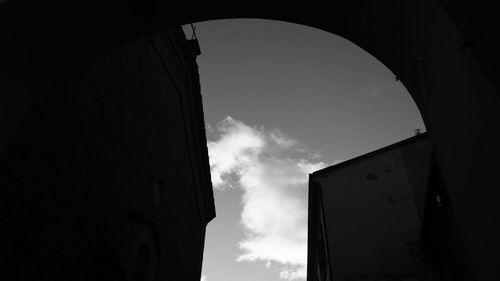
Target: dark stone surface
{"points": [[444, 52], [80, 172]]}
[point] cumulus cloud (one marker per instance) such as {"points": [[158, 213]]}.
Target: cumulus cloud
{"points": [[272, 170]]}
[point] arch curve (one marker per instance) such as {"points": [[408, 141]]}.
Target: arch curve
{"points": [[424, 43]]}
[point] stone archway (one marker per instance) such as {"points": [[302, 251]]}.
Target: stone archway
{"points": [[419, 41]]}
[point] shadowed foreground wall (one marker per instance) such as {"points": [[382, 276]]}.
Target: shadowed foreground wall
{"points": [[109, 178]]}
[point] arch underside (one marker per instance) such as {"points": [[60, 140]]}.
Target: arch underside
{"points": [[444, 52]]}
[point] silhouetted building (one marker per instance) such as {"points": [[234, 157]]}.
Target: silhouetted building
{"points": [[108, 178], [441, 242], [365, 218]]}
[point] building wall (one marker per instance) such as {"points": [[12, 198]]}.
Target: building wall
{"points": [[371, 218], [459, 105], [441, 240], [109, 177], [413, 157], [318, 251]]}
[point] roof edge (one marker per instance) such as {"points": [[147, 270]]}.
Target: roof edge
{"points": [[369, 154]]}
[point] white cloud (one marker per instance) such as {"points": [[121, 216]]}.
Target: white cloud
{"points": [[209, 129], [300, 273], [272, 170], [233, 151], [203, 278]]}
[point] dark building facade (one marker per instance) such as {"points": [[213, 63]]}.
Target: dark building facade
{"points": [[441, 243], [107, 178], [384, 216]]}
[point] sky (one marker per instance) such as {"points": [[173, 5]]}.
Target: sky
{"points": [[280, 101]]}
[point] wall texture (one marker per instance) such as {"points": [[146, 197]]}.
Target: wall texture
{"points": [[371, 216], [108, 178]]}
